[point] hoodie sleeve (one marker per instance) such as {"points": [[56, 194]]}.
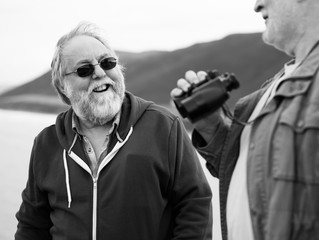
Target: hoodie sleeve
{"points": [[34, 214], [191, 191], [211, 151]]}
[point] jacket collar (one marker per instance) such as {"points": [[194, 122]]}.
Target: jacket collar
{"points": [[296, 83], [309, 66], [300, 79]]}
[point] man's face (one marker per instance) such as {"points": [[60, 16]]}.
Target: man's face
{"points": [[282, 23], [96, 98]]}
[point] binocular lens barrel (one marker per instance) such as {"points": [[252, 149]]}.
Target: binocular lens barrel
{"points": [[206, 97]]}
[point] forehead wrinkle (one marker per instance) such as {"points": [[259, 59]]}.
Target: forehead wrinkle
{"points": [[85, 49], [86, 59]]}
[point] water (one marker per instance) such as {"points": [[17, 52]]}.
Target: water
{"points": [[17, 132]]}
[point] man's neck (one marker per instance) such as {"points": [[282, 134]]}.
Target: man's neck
{"points": [[305, 46], [310, 36], [88, 128], [96, 134]]}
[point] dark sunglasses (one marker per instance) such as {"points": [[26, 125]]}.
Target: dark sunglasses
{"points": [[88, 69]]}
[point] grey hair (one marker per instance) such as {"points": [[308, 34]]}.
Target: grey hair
{"points": [[57, 66]]}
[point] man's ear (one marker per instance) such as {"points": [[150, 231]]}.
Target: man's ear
{"points": [[62, 93], [62, 89]]}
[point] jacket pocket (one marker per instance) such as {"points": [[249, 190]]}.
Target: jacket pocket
{"points": [[296, 147]]}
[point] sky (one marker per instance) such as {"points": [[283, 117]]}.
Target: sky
{"points": [[31, 28]]}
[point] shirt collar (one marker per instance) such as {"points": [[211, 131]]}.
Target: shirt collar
{"points": [[77, 129]]}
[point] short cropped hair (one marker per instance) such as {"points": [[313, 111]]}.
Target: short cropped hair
{"points": [[57, 64]]}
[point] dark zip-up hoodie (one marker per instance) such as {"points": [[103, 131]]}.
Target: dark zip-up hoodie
{"points": [[149, 186]]}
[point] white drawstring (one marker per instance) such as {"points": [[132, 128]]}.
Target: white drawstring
{"points": [[82, 164], [74, 140], [118, 137], [66, 169], [67, 179]]}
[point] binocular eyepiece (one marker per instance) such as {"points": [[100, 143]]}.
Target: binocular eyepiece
{"points": [[207, 96]]}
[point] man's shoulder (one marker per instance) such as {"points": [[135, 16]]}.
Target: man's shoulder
{"points": [[161, 110], [47, 132], [148, 109]]}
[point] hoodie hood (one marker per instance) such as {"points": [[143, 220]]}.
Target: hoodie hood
{"points": [[132, 109]]}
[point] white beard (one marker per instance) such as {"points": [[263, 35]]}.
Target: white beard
{"points": [[97, 108]]}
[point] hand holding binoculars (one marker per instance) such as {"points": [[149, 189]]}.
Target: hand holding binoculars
{"points": [[207, 96]]}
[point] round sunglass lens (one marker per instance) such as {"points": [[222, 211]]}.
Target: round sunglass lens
{"points": [[85, 71], [108, 63]]}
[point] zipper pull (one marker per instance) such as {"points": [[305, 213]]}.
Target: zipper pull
{"points": [[94, 183]]}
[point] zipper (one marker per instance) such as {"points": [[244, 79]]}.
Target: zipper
{"points": [[94, 215], [105, 161]]}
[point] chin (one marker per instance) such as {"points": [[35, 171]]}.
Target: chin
{"points": [[97, 110], [102, 113], [265, 37], [281, 44], [268, 39]]}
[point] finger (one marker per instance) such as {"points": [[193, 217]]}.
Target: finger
{"points": [[201, 75], [191, 77], [176, 92], [183, 84]]}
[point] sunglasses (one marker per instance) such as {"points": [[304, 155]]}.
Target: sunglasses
{"points": [[88, 69]]}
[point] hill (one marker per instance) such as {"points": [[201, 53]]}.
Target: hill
{"points": [[153, 74]]}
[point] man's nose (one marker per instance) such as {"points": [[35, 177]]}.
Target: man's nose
{"points": [[98, 72], [258, 5]]}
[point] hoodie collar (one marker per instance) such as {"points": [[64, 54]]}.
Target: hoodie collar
{"points": [[77, 127], [132, 109]]}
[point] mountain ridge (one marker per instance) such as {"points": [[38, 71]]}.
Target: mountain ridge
{"points": [[152, 74]]}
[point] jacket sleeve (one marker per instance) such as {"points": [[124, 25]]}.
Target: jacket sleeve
{"points": [[191, 193], [211, 151], [34, 214]]}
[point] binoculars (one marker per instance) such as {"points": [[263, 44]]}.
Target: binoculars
{"points": [[207, 96]]}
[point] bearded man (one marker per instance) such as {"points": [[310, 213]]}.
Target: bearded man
{"points": [[114, 166]]}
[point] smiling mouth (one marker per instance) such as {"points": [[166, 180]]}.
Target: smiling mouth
{"points": [[101, 88]]}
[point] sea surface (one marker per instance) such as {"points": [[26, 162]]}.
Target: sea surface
{"points": [[17, 132]]}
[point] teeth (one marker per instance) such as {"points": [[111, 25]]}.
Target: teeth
{"points": [[100, 88]]}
